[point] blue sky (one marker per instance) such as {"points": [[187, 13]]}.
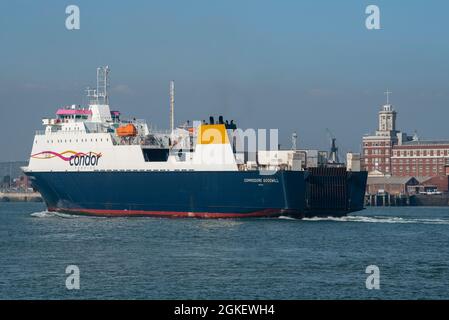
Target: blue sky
{"points": [[294, 65]]}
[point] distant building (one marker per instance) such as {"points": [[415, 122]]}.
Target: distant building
{"points": [[438, 183], [12, 169], [420, 158], [392, 185], [390, 152], [353, 161], [378, 148]]}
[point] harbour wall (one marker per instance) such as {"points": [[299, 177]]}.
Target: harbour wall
{"points": [[20, 197], [390, 200]]}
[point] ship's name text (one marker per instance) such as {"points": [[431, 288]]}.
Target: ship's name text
{"points": [[261, 180]]}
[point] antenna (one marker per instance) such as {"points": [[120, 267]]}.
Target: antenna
{"points": [[388, 96], [172, 105]]}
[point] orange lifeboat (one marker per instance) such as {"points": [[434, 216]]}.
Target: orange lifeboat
{"points": [[127, 131]]}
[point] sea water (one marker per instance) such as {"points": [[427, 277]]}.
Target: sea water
{"points": [[275, 258]]}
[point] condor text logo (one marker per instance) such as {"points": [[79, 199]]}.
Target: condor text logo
{"points": [[75, 159], [84, 160]]}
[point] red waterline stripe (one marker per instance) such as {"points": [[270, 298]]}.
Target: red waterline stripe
{"points": [[174, 214]]}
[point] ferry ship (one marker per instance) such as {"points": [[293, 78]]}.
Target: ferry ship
{"points": [[91, 161]]}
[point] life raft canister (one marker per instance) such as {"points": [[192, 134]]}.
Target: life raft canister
{"points": [[128, 130]]}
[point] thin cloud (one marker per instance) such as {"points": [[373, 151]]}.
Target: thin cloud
{"points": [[33, 86], [122, 89], [318, 92]]}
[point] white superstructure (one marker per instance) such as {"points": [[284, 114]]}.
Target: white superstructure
{"points": [[95, 138]]}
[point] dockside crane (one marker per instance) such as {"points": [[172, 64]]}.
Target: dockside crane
{"points": [[333, 155]]}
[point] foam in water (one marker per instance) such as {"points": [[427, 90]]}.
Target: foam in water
{"points": [[379, 219], [365, 219], [287, 218], [48, 214], [41, 214]]}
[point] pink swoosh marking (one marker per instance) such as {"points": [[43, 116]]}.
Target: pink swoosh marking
{"points": [[59, 155]]}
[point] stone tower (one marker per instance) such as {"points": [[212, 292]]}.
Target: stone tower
{"points": [[387, 119]]}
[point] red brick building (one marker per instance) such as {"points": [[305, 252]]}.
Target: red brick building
{"points": [[420, 159], [390, 152], [378, 148], [377, 153]]}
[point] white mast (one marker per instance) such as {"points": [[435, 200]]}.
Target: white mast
{"points": [[99, 96], [99, 100], [102, 85], [172, 106]]}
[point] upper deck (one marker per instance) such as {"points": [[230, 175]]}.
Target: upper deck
{"points": [[131, 144]]}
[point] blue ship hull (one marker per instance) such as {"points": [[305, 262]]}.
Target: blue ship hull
{"points": [[173, 194]]}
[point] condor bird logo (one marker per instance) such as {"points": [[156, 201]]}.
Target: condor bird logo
{"points": [[76, 159]]}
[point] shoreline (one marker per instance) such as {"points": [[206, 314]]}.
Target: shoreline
{"points": [[20, 197]]}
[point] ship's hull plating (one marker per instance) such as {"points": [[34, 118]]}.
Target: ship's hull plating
{"points": [[173, 194]]}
